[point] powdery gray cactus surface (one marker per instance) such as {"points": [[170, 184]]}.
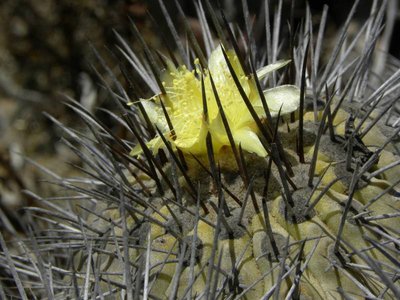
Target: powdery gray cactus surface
{"points": [[317, 218]]}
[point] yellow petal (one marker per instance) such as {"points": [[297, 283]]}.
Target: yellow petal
{"points": [[183, 102], [153, 145], [249, 141], [218, 133], [264, 71], [195, 144], [155, 114], [285, 96], [220, 71]]}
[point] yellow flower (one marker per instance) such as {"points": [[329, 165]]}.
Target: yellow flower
{"points": [[184, 104]]}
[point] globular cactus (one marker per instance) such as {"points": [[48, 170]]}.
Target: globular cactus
{"points": [[240, 176]]}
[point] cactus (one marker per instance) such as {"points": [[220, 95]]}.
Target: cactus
{"points": [[240, 176]]}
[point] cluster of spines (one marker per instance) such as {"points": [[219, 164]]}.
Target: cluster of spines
{"points": [[107, 162]]}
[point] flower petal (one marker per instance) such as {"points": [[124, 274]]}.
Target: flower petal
{"points": [[153, 145], [249, 141], [195, 144], [155, 114], [220, 71], [183, 102], [264, 71], [218, 133], [285, 96]]}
